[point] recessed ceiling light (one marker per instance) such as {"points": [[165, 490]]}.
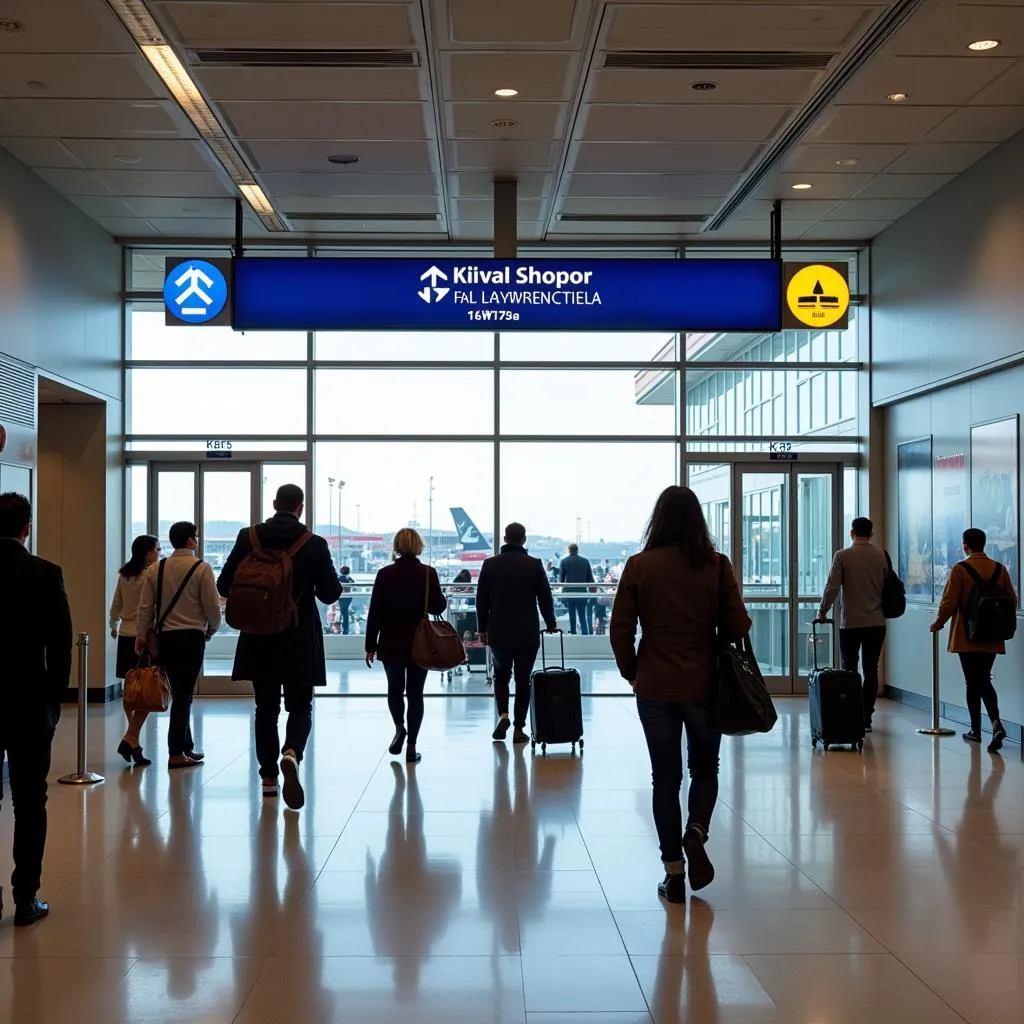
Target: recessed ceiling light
{"points": [[504, 122], [504, 93], [898, 97], [343, 158], [983, 44], [128, 159], [802, 186], [11, 25], [37, 85], [704, 86], [850, 161]]}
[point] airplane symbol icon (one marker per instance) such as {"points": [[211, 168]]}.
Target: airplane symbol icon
{"points": [[197, 281]]}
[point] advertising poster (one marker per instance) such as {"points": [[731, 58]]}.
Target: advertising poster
{"points": [[951, 514], [914, 461], [994, 490]]}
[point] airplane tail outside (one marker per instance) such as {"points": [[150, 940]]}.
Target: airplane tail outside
{"points": [[470, 536]]}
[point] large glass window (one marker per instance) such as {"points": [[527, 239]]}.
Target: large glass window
{"points": [[151, 339], [404, 346], [588, 348]]}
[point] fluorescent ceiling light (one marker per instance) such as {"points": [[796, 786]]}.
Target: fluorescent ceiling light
{"points": [[983, 44], [504, 93], [898, 97], [257, 199], [802, 186], [174, 75]]}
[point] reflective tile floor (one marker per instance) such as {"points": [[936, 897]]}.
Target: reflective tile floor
{"points": [[488, 885]]}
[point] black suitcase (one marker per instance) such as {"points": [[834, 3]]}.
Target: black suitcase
{"points": [[836, 703], [556, 711]]}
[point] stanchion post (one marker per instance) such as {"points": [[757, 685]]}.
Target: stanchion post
{"points": [[935, 729], [81, 777]]}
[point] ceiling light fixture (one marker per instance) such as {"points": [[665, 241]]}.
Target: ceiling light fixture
{"points": [[164, 60], [802, 186], [850, 161], [504, 122], [11, 25], [506, 93], [128, 159], [898, 97], [983, 44], [343, 158], [37, 85], [704, 86]]}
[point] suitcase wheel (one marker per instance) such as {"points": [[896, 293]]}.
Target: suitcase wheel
{"points": [[860, 747], [814, 743], [824, 746], [544, 748], [581, 744]]}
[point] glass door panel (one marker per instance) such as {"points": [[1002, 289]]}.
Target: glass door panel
{"points": [[175, 501], [227, 508], [273, 476]]}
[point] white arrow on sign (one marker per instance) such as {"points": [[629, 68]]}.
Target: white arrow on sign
{"points": [[440, 293], [424, 294], [434, 274]]}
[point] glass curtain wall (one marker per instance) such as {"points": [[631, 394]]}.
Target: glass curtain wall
{"points": [[573, 435]]}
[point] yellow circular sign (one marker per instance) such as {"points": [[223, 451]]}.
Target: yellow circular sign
{"points": [[818, 295]]}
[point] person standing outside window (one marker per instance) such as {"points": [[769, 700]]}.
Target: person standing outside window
{"points": [[576, 569], [180, 604], [124, 612], [858, 573], [345, 602], [35, 637], [977, 658], [511, 589]]}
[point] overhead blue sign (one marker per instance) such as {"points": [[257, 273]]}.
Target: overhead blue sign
{"points": [[195, 291], [528, 295]]}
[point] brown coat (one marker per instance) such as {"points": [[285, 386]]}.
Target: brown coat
{"points": [[678, 609], [954, 601]]}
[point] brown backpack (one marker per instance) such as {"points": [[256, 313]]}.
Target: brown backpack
{"points": [[262, 599]]}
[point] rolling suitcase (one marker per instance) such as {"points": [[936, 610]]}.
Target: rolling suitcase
{"points": [[556, 711], [836, 703]]}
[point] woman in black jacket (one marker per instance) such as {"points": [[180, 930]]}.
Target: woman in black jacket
{"points": [[403, 593]]}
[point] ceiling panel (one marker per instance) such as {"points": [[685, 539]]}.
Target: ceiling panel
{"points": [[42, 153], [179, 207], [940, 157], [797, 210], [653, 186], [85, 76], [483, 230], [1008, 90], [844, 230], [868, 159], [979, 124], [744, 26], [377, 85], [140, 154], [483, 209], [533, 120], [897, 186], [944, 29], [660, 207], [289, 24], [63, 26], [411, 206], [681, 124], [873, 209], [162, 183], [104, 206], [133, 227], [481, 186], [350, 184], [525, 21], [664, 158], [537, 76], [385, 122], [889, 124], [824, 186], [374, 157], [88, 119], [926, 80], [501, 157], [626, 85]]}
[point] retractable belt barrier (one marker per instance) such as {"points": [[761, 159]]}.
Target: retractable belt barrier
{"points": [[81, 777]]}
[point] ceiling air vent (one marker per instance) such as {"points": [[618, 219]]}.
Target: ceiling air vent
{"points": [[280, 58], [631, 218], [720, 60], [17, 394]]}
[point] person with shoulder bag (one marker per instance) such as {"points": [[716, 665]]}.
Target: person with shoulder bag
{"points": [[272, 580], [683, 595], [179, 612], [397, 609], [980, 599], [124, 613]]}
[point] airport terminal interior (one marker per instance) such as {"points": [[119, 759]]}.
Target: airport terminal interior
{"points": [[451, 264]]}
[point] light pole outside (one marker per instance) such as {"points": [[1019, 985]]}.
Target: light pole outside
{"points": [[430, 523], [330, 513]]}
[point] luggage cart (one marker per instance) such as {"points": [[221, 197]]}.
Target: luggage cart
{"points": [[462, 616]]}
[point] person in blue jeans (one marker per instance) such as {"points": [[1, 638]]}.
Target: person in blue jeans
{"points": [[680, 592]]}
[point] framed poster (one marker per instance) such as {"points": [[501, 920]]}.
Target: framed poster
{"points": [[914, 464], [952, 513], [994, 482]]}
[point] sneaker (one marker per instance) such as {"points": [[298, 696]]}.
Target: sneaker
{"points": [[699, 866], [294, 796], [270, 788], [673, 889], [972, 737], [501, 729], [519, 736], [998, 737]]}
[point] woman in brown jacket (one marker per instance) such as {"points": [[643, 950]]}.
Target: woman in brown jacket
{"points": [[976, 658], [680, 591]]}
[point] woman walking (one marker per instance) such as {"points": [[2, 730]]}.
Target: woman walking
{"points": [[403, 593], [124, 611], [681, 592]]}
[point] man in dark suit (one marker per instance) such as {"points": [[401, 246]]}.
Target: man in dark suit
{"points": [[511, 588], [35, 641], [292, 660], [577, 569]]}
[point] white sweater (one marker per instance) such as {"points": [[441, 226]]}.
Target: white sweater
{"points": [[124, 609]]}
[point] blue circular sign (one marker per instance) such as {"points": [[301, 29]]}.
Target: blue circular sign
{"points": [[195, 292]]}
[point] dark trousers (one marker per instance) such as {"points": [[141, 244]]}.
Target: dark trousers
{"points": [[298, 702], [977, 667], [405, 683], [344, 607], [181, 653], [664, 723], [520, 661], [27, 750], [863, 643], [579, 608]]}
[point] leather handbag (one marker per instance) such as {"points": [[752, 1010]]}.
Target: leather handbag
{"points": [[146, 687], [435, 644]]}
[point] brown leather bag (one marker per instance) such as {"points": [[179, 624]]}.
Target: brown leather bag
{"points": [[146, 687], [435, 644]]}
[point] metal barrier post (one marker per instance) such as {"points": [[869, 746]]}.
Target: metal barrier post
{"points": [[936, 729], [82, 777]]}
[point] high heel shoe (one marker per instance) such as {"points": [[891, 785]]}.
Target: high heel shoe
{"points": [[396, 743], [124, 748], [139, 758]]}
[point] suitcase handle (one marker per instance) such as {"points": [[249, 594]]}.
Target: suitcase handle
{"points": [[561, 642], [814, 638]]}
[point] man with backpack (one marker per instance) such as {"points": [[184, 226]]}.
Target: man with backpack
{"points": [[272, 579], [980, 599]]}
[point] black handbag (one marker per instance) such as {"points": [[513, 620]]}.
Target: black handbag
{"points": [[740, 702], [894, 593]]}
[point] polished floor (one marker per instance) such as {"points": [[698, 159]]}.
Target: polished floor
{"points": [[488, 885]]}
